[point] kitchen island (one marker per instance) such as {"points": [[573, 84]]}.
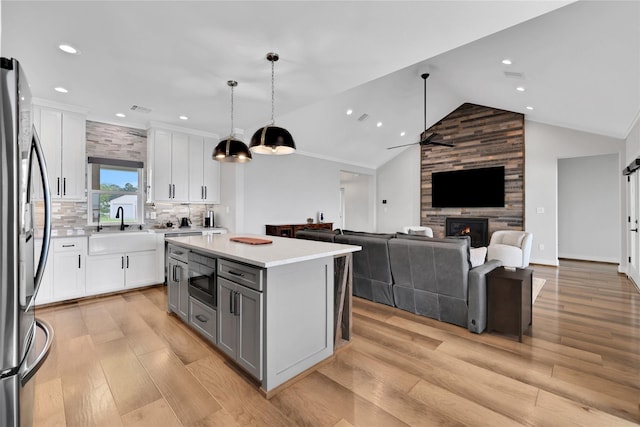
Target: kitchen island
{"points": [[275, 315]]}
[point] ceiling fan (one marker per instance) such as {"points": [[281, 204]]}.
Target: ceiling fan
{"points": [[426, 138]]}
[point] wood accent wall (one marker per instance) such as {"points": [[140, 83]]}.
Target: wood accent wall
{"points": [[483, 137]]}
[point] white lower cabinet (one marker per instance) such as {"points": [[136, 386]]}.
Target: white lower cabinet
{"points": [[45, 291], [114, 272], [64, 275]]}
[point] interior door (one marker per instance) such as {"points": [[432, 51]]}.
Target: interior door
{"points": [[632, 221]]}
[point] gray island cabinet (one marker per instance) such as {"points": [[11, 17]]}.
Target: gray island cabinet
{"points": [[275, 305]]}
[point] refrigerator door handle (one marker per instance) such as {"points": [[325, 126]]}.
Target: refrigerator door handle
{"points": [[48, 331], [46, 238]]}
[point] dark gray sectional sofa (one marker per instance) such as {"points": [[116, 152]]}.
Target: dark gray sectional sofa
{"points": [[426, 276]]}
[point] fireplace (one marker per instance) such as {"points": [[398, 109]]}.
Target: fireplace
{"points": [[476, 228]]}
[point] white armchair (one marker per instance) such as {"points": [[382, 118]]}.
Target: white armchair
{"points": [[419, 230], [511, 247]]}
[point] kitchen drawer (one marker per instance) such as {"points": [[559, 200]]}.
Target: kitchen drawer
{"points": [[203, 318], [246, 275], [69, 244]]}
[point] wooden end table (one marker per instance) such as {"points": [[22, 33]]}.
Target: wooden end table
{"points": [[509, 305]]}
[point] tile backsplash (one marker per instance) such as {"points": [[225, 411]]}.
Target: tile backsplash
{"points": [[118, 142]]}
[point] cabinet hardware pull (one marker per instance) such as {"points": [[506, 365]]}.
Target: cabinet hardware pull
{"points": [[235, 273], [127, 261], [169, 190], [173, 274], [202, 192], [202, 318], [205, 192], [64, 186], [122, 262], [174, 190], [71, 245], [236, 303], [231, 302], [58, 193], [79, 264]]}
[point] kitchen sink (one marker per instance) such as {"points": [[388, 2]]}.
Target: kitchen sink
{"points": [[111, 242]]}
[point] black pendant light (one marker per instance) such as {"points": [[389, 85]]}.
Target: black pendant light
{"points": [[272, 139], [231, 149]]}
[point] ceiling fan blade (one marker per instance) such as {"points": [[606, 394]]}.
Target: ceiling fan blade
{"points": [[403, 145], [443, 143]]}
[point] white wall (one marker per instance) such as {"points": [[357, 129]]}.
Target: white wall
{"points": [[290, 189], [588, 211], [399, 184], [544, 145], [359, 202], [228, 213]]}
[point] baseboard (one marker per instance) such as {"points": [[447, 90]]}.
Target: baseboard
{"points": [[553, 263], [577, 257]]}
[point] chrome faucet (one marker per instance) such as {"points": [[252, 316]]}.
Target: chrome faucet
{"points": [[120, 214]]}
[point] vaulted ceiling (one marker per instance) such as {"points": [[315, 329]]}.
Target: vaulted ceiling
{"points": [[579, 63]]}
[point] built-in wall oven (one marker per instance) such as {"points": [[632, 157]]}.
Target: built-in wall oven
{"points": [[202, 279]]}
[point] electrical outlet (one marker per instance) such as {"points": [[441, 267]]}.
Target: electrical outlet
{"points": [[541, 246], [540, 210], [153, 215]]}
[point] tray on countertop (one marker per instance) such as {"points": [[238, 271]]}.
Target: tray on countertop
{"points": [[251, 240]]}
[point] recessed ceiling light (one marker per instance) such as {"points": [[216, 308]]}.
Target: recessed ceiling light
{"points": [[60, 89], [121, 115], [520, 89], [183, 118], [379, 124], [507, 61], [529, 107], [403, 133], [349, 112], [69, 49]]}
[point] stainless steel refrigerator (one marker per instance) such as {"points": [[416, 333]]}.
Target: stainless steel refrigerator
{"points": [[20, 158]]}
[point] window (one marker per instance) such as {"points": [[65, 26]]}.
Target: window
{"points": [[115, 187]]}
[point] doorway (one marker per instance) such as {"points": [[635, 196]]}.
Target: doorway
{"points": [[357, 201], [633, 239]]}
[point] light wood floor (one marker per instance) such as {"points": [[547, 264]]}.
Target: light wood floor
{"points": [[121, 360]]}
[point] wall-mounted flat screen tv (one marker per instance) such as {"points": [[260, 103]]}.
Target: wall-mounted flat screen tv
{"points": [[468, 188]]}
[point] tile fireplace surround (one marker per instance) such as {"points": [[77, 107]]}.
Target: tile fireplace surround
{"points": [[477, 228]]}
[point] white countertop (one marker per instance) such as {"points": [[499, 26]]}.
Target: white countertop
{"points": [[282, 251]]}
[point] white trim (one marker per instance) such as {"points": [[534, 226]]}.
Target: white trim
{"points": [[579, 257], [600, 132], [633, 124], [59, 106], [333, 159], [553, 263], [116, 122], [158, 125]]}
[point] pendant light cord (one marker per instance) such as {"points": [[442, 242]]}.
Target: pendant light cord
{"points": [[273, 92], [231, 133]]}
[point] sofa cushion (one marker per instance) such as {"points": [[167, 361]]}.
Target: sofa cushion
{"points": [[371, 267], [436, 239], [366, 234], [323, 235], [477, 256], [433, 266]]}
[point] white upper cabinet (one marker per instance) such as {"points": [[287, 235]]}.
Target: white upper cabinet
{"points": [[181, 168], [169, 174], [63, 138], [204, 172]]}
